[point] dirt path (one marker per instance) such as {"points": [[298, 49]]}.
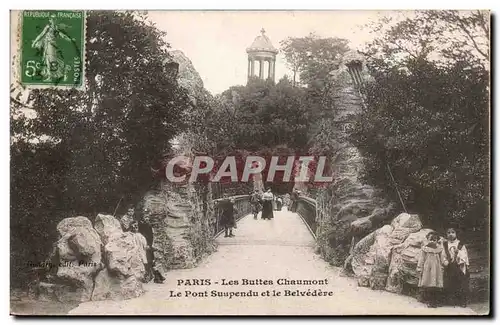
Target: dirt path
{"points": [[281, 248]]}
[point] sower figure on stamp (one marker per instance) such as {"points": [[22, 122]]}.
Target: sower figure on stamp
{"points": [[430, 269], [54, 67], [456, 274]]}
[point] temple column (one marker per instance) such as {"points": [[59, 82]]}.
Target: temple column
{"points": [[252, 67], [261, 70], [271, 69], [249, 66]]}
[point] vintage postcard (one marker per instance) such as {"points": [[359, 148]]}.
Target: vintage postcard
{"points": [[250, 163]]}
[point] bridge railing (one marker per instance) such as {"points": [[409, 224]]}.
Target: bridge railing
{"points": [[242, 206], [306, 208]]}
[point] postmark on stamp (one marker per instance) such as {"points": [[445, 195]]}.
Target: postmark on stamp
{"points": [[52, 48]]}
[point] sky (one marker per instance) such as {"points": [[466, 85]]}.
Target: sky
{"points": [[216, 41]]}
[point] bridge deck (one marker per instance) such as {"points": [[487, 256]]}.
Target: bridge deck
{"points": [[281, 248]]}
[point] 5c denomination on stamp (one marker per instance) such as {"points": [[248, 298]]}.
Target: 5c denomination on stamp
{"points": [[52, 48]]}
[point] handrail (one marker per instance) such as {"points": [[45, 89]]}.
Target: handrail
{"points": [[306, 209], [236, 197], [308, 199]]}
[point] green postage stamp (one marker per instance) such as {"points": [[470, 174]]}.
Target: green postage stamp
{"points": [[52, 48]]}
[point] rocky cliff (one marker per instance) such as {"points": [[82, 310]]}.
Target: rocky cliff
{"points": [[180, 214], [188, 77], [348, 209]]}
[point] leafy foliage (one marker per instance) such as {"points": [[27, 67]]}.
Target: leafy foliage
{"points": [[439, 36], [427, 119], [312, 57], [86, 150]]}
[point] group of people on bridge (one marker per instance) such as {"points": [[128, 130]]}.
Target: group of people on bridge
{"points": [[261, 202], [266, 202]]}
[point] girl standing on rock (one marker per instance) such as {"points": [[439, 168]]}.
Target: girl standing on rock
{"points": [[430, 268]]}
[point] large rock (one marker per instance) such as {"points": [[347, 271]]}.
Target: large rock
{"points": [[363, 226], [180, 222], [46, 291], [63, 292], [404, 224], [107, 227], [403, 266], [78, 254], [126, 222], [109, 287], [69, 224], [123, 257], [371, 256]]}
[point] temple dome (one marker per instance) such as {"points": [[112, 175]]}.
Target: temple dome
{"points": [[262, 43]]}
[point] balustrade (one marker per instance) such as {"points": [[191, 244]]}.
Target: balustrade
{"points": [[306, 208]]}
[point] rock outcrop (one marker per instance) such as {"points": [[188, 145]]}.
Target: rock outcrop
{"points": [[121, 279], [403, 267], [76, 260], [123, 257], [348, 208], [386, 258], [188, 77], [80, 272], [109, 287], [180, 223], [107, 227]]}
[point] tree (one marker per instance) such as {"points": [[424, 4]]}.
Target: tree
{"points": [[84, 150], [440, 36], [427, 120], [312, 57]]}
